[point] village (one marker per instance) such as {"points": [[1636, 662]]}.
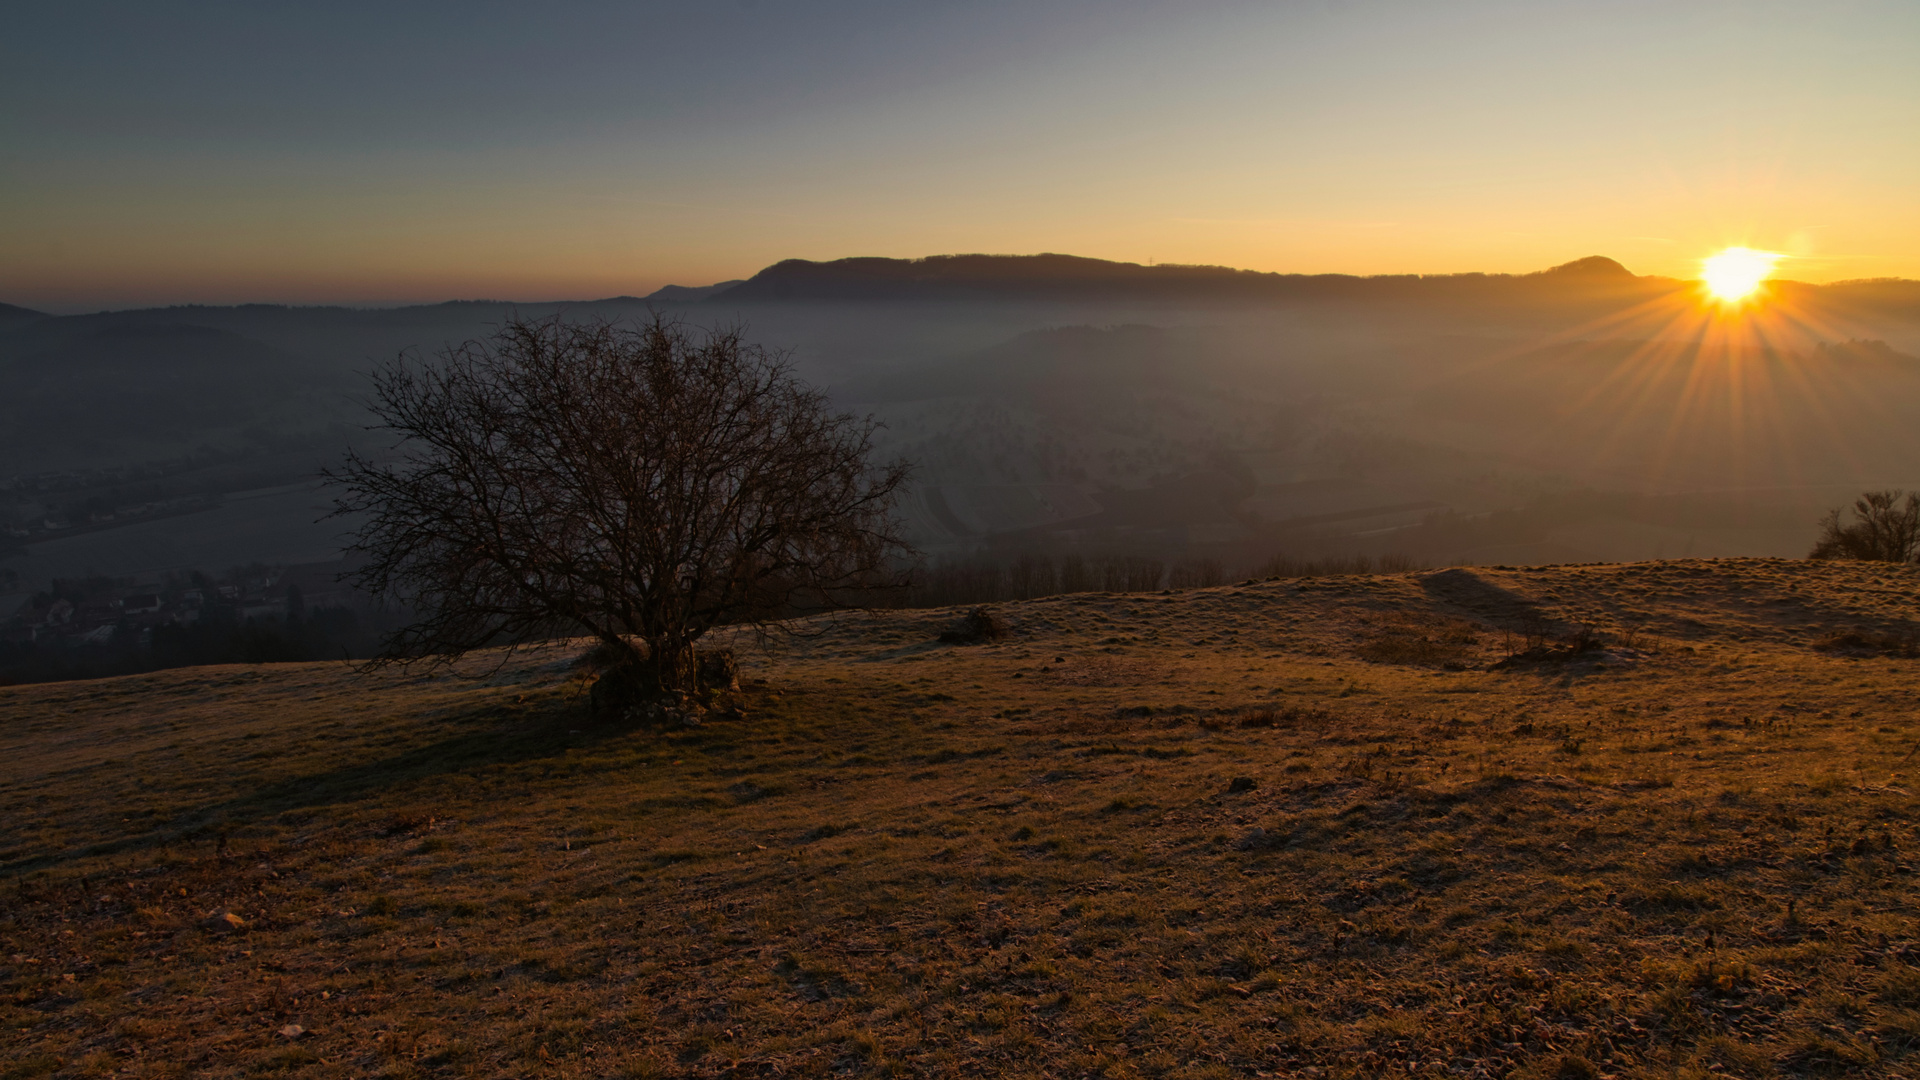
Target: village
{"points": [[128, 624]]}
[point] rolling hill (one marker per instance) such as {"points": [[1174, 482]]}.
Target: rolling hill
{"points": [[1578, 821]]}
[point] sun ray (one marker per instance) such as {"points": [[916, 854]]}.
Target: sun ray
{"points": [[1685, 372]]}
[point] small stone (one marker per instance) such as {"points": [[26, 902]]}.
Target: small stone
{"points": [[1256, 837], [293, 1031], [226, 923], [1242, 783]]}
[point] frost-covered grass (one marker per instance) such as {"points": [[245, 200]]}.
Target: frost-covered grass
{"points": [[1687, 846]]}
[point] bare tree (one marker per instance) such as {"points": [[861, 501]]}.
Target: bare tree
{"points": [[640, 485], [1885, 529]]}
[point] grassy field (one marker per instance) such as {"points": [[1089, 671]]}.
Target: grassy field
{"points": [[1394, 825]]}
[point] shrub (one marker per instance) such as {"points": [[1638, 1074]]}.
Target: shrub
{"points": [[977, 626], [1886, 528]]}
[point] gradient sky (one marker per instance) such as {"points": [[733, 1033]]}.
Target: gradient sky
{"points": [[361, 152]]}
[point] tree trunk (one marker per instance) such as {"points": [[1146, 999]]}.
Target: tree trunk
{"points": [[674, 667]]}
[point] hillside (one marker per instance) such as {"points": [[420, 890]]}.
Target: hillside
{"points": [[1330, 827]]}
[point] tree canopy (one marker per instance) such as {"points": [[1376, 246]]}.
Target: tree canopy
{"points": [[641, 485]]}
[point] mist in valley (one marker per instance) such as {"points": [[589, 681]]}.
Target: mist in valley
{"points": [[1074, 424]]}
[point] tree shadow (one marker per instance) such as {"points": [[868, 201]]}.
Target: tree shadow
{"points": [[1468, 593], [550, 735], [494, 738]]}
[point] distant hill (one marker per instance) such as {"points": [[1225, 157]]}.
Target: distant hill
{"points": [[11, 316], [689, 294], [105, 386], [1072, 278], [1593, 267], [1866, 353], [1871, 299]]}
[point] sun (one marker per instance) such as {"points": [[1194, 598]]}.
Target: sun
{"points": [[1732, 275]]}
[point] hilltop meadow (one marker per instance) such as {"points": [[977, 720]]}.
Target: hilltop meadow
{"points": [[1632, 820]]}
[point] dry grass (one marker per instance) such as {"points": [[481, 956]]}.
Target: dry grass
{"points": [[1198, 834]]}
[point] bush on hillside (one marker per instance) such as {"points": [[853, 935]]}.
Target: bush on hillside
{"points": [[979, 625], [1885, 528]]}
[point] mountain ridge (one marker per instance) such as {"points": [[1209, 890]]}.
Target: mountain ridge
{"points": [[1052, 276], [12, 315]]}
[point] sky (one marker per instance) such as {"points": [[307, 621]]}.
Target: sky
{"points": [[356, 152]]}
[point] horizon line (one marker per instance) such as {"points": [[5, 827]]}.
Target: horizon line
{"points": [[108, 308]]}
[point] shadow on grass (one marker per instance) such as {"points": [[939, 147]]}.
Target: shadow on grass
{"points": [[495, 737], [1467, 591], [512, 739]]}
